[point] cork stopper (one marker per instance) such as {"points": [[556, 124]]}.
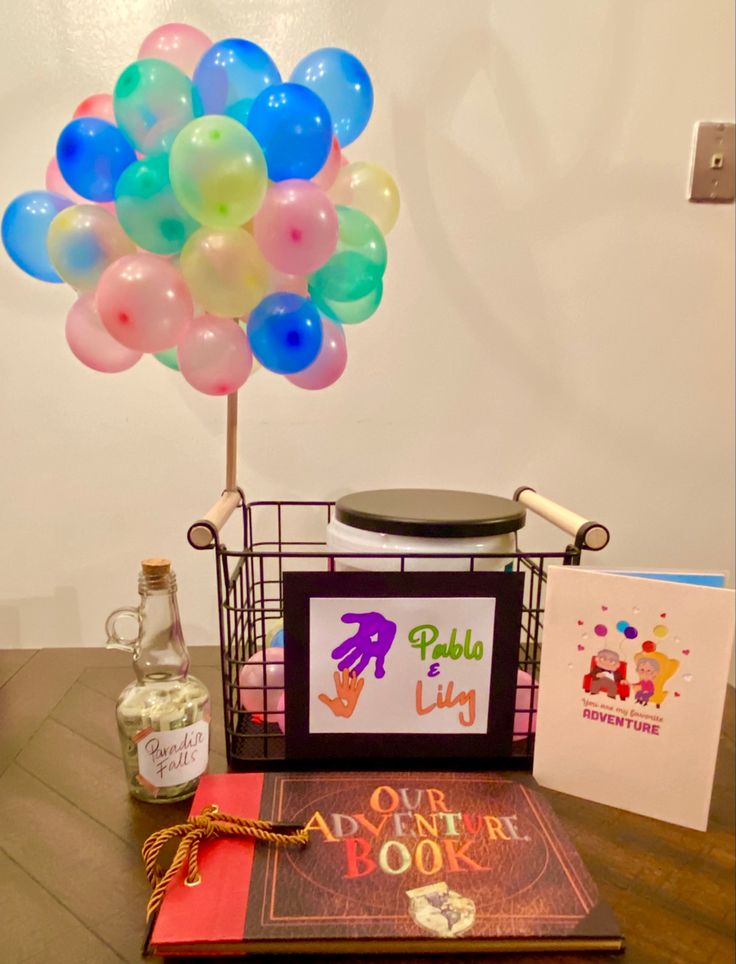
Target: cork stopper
{"points": [[156, 567], [156, 574]]}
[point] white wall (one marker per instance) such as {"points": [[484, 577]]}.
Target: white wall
{"points": [[555, 313]]}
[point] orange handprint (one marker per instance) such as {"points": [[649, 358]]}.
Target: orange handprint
{"points": [[348, 688]]}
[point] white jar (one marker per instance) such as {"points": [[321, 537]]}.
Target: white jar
{"points": [[435, 521]]}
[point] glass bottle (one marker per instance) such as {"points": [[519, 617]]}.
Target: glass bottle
{"points": [[164, 714]]}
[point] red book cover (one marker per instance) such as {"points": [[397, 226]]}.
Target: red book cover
{"points": [[396, 862]]}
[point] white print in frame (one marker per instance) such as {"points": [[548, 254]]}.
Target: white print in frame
{"points": [[414, 695], [632, 684]]}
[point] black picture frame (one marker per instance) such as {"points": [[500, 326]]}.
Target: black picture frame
{"points": [[356, 750]]}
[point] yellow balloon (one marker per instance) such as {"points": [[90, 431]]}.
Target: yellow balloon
{"points": [[370, 189], [225, 270], [82, 241], [218, 171]]}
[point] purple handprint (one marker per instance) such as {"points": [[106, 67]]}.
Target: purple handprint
{"points": [[357, 651]]}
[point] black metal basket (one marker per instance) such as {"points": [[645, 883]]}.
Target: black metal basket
{"points": [[287, 536]]}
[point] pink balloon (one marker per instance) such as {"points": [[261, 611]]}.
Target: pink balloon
{"points": [[144, 302], [526, 699], [178, 43], [214, 355], [329, 364], [56, 183], [96, 105], [281, 713], [278, 281], [296, 227], [261, 681], [331, 168], [92, 343]]}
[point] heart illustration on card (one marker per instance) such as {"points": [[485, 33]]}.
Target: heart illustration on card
{"points": [[686, 652], [580, 648], [604, 608], [663, 615], [677, 694], [688, 678], [580, 622]]}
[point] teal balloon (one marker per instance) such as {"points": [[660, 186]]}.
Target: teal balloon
{"points": [[148, 209], [153, 100], [348, 312], [240, 110], [359, 262], [169, 358]]}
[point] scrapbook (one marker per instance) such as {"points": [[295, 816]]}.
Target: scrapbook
{"points": [[429, 863]]}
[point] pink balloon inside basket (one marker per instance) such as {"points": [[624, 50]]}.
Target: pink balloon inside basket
{"points": [[526, 700], [261, 682]]}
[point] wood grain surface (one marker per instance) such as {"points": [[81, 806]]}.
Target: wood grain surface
{"points": [[72, 887]]}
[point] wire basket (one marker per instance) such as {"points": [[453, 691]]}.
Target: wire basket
{"points": [[289, 536]]}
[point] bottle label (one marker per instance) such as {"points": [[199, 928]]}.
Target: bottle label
{"points": [[167, 758]]}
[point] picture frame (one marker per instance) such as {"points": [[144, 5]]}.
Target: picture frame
{"points": [[438, 688]]}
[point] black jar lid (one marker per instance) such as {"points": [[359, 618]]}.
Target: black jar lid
{"points": [[435, 513]]}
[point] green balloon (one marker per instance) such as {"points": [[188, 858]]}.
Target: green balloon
{"points": [[349, 312], [218, 171], [169, 358], [147, 209], [357, 266], [153, 100]]}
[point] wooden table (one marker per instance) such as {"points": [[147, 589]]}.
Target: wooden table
{"points": [[72, 887]]}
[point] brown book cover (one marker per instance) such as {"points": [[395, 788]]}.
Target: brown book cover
{"points": [[423, 863]]}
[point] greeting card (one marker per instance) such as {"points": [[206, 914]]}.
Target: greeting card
{"points": [[632, 684]]}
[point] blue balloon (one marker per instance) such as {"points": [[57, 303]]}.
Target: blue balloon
{"points": [[294, 129], [285, 332], [277, 640], [232, 70], [25, 227], [344, 85], [92, 154]]}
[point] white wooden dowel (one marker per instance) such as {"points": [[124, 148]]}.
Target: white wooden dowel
{"points": [[596, 536], [200, 535], [231, 458]]}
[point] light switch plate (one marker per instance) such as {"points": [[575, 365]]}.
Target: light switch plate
{"points": [[712, 163]]}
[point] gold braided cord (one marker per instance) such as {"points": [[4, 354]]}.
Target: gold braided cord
{"points": [[209, 823]]}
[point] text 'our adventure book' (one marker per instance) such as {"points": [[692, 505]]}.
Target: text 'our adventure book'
{"points": [[396, 863]]}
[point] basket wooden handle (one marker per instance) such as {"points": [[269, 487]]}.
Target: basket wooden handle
{"points": [[587, 534], [200, 533]]}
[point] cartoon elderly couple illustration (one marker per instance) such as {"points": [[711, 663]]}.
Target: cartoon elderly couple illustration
{"points": [[608, 672]]}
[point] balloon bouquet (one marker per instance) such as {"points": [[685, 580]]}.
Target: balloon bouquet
{"points": [[205, 214]]}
